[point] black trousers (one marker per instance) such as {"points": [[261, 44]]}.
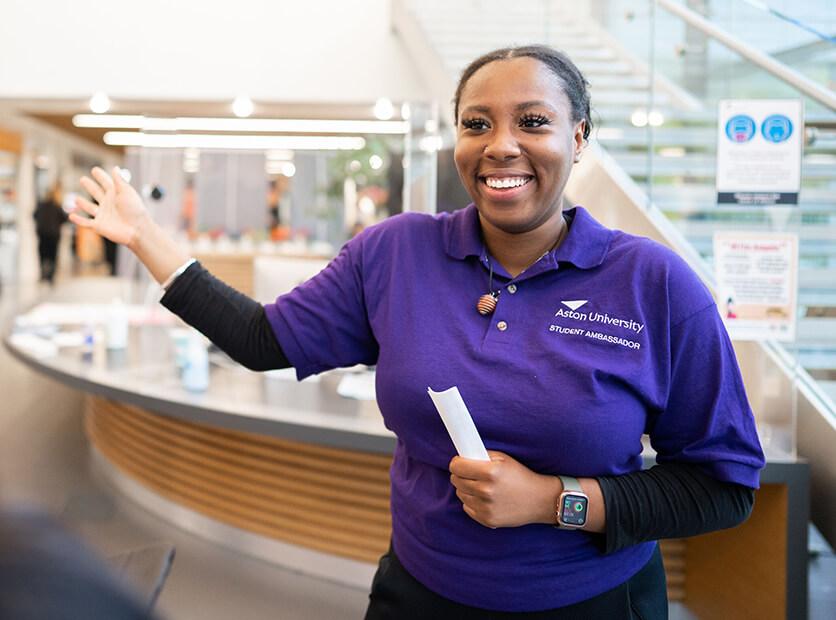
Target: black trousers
{"points": [[48, 254], [397, 595]]}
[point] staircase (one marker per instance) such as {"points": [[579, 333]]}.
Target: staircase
{"points": [[674, 163]]}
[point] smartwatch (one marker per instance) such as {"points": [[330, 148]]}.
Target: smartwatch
{"points": [[572, 505]]}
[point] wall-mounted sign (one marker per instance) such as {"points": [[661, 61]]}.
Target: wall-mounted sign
{"points": [[759, 151], [757, 284]]}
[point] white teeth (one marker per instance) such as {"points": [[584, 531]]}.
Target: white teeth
{"points": [[506, 182]]}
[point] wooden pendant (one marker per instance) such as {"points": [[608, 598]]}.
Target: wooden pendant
{"points": [[487, 304]]}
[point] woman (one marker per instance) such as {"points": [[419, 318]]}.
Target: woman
{"points": [[567, 340]]}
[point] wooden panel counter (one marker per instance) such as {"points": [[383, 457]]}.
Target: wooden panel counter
{"points": [[297, 474]]}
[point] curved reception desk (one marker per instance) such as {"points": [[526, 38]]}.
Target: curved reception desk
{"points": [[297, 473], [294, 473]]}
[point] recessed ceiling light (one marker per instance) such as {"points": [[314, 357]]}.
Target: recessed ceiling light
{"points": [[242, 107], [99, 103], [639, 118], [383, 109], [288, 169]]}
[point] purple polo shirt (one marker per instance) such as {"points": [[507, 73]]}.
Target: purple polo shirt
{"points": [[606, 338]]}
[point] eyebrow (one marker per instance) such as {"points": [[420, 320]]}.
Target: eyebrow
{"points": [[519, 107]]}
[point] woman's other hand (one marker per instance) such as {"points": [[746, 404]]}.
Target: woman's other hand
{"points": [[503, 492], [120, 215], [120, 212]]}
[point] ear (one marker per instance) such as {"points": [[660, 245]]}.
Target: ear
{"points": [[579, 140]]}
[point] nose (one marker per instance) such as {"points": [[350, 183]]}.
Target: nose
{"points": [[502, 144]]}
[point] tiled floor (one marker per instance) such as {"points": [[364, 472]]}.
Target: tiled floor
{"points": [[44, 462]]}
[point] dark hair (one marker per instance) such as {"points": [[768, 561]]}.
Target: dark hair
{"points": [[574, 83]]}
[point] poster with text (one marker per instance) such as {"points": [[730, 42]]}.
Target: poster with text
{"points": [[757, 284], [759, 151]]}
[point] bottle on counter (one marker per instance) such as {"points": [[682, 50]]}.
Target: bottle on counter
{"points": [[88, 342], [116, 325], [196, 369]]}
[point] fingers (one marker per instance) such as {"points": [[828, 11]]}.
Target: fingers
{"points": [[470, 469], [85, 205], [478, 511], [83, 222], [118, 180], [93, 188], [103, 178], [470, 488]]}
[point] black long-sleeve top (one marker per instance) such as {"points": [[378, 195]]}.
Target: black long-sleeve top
{"points": [[673, 500]]}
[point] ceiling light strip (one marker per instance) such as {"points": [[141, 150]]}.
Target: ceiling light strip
{"points": [[240, 125], [209, 141]]}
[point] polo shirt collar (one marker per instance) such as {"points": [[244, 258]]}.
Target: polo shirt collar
{"points": [[585, 246], [587, 243], [461, 233]]}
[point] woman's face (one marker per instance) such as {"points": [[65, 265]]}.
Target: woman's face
{"points": [[516, 144]]}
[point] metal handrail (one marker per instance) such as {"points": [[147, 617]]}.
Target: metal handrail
{"points": [[798, 81]]}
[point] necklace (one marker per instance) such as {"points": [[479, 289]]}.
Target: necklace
{"points": [[487, 302]]}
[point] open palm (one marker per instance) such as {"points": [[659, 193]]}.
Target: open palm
{"points": [[120, 212]]}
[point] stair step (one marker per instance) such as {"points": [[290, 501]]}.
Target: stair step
{"points": [[635, 164], [627, 81], [628, 97], [619, 138], [465, 49], [813, 239], [701, 200]]}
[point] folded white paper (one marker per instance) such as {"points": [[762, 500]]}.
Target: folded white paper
{"points": [[459, 424]]}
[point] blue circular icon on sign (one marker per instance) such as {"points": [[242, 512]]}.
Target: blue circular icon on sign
{"points": [[740, 128], [776, 128]]}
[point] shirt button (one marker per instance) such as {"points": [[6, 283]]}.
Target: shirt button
{"points": [[512, 288], [502, 326]]}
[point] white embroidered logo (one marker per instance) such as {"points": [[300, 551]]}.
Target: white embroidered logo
{"points": [[596, 317], [574, 305]]}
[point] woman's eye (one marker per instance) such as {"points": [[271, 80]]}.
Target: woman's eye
{"points": [[534, 120], [474, 123]]}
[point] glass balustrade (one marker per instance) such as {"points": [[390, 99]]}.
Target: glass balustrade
{"points": [[669, 143]]}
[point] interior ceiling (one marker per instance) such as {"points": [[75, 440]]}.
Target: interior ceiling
{"points": [[59, 113]]}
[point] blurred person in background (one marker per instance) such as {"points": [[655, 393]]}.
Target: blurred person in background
{"points": [[49, 217]]}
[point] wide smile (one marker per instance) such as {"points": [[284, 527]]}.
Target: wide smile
{"points": [[505, 186], [505, 182]]}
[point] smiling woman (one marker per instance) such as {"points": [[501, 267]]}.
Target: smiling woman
{"points": [[516, 143], [562, 521]]}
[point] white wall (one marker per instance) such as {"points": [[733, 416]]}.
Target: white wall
{"points": [[276, 50]]}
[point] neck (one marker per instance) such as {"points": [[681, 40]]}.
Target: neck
{"points": [[516, 252]]}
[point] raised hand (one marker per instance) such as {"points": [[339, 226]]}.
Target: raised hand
{"points": [[120, 212], [120, 215]]}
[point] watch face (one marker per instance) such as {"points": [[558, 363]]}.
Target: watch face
{"points": [[573, 510]]}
